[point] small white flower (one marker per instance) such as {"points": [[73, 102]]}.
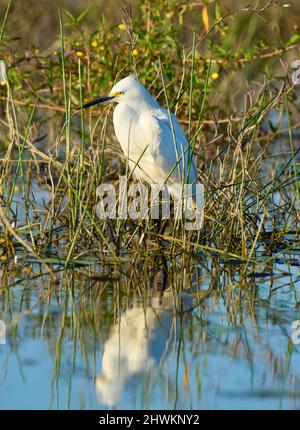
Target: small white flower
{"points": [[16, 259], [3, 76]]}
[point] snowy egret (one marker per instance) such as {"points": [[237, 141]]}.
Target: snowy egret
{"points": [[151, 139]]}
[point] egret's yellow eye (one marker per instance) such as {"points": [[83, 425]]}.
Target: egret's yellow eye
{"points": [[119, 93]]}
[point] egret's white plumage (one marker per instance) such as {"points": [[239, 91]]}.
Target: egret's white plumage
{"points": [[144, 129], [150, 137]]}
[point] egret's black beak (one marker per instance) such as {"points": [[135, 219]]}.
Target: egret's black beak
{"points": [[95, 102]]}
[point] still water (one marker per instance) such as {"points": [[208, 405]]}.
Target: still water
{"points": [[83, 343]]}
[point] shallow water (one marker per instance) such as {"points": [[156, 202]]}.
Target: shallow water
{"points": [[82, 343]]}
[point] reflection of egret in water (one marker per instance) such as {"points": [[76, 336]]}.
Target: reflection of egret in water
{"points": [[137, 345]]}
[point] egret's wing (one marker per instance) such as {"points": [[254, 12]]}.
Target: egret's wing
{"points": [[168, 147]]}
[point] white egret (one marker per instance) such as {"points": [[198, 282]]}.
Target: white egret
{"points": [[151, 139]]}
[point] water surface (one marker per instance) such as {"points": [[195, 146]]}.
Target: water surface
{"points": [[84, 343]]}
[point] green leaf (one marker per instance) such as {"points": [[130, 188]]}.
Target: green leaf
{"points": [[83, 14], [72, 18], [293, 39]]}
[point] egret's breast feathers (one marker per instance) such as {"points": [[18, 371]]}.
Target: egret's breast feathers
{"points": [[130, 132]]}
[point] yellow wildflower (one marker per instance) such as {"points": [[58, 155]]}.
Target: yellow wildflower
{"points": [[215, 76], [101, 47], [94, 43], [135, 52], [122, 26]]}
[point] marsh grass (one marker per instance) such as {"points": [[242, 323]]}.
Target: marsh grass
{"points": [[248, 206]]}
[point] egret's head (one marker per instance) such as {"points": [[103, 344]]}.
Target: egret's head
{"points": [[128, 89]]}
